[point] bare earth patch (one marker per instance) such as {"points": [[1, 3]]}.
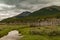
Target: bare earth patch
{"points": [[12, 35]]}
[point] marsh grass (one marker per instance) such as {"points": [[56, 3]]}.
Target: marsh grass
{"points": [[32, 33]]}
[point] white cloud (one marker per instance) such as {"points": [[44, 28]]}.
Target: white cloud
{"points": [[5, 5], [2, 6]]}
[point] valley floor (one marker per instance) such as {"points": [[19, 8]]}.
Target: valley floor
{"points": [[33, 33]]}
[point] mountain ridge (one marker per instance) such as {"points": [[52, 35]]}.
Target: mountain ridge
{"points": [[47, 12]]}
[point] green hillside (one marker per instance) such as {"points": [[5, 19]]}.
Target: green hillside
{"points": [[47, 12], [52, 11]]}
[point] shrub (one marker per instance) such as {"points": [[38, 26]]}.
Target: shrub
{"points": [[43, 31], [35, 32]]}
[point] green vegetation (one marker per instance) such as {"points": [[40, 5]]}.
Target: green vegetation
{"points": [[33, 33], [44, 13], [30, 31]]}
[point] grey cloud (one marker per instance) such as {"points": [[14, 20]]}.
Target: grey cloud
{"points": [[28, 4], [36, 4]]}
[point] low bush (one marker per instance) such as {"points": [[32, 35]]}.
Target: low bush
{"points": [[44, 31]]}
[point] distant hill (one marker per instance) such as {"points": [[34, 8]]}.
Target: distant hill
{"points": [[52, 11], [23, 14], [47, 12]]}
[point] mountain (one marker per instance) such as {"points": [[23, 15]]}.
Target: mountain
{"points": [[47, 12], [18, 18], [23, 14]]}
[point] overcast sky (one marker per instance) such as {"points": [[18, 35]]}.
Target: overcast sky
{"points": [[9, 8], [27, 4]]}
